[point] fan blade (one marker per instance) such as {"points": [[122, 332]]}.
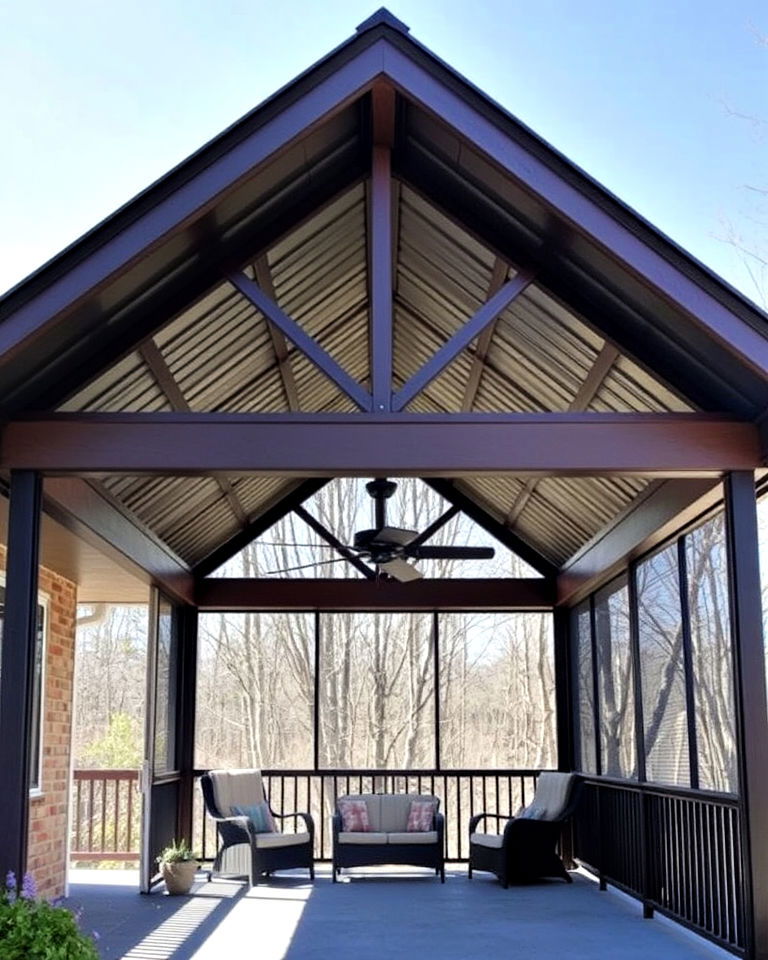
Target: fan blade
{"points": [[396, 535], [400, 570], [450, 553], [303, 566]]}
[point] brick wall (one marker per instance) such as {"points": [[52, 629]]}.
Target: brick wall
{"points": [[48, 812]]}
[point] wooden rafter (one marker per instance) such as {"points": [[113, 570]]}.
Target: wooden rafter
{"points": [[476, 324], [584, 396], [322, 531], [301, 339], [499, 275], [154, 359], [279, 344]]}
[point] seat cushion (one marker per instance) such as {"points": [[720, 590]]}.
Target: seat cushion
{"points": [[495, 840], [264, 840], [422, 836], [362, 837]]}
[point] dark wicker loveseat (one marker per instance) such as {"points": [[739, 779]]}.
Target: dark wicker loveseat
{"points": [[388, 841]]}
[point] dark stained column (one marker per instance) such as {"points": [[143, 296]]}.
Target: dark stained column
{"points": [[187, 627], [565, 713], [750, 702], [18, 662]]}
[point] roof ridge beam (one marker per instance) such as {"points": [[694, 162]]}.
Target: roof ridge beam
{"points": [[476, 324], [301, 339]]}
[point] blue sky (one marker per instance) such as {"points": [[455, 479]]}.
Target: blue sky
{"points": [[101, 98]]}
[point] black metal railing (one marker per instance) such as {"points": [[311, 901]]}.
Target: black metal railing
{"points": [[677, 850], [462, 793]]}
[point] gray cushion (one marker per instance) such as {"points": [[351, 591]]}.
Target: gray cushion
{"points": [[280, 839], [553, 791], [495, 840], [236, 788], [421, 836]]}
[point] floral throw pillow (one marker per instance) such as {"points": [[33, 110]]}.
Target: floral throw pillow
{"points": [[259, 815], [421, 816], [354, 816]]}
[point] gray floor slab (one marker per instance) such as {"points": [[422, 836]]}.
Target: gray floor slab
{"points": [[378, 915]]}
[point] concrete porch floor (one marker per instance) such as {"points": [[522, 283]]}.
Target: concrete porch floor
{"points": [[375, 913]]}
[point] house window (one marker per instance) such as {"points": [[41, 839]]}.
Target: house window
{"points": [[36, 739]]}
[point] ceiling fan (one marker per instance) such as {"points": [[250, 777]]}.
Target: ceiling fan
{"points": [[390, 548]]}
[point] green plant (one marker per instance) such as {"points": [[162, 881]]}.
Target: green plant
{"points": [[178, 851], [34, 929]]}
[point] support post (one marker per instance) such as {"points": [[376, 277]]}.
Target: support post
{"points": [[18, 667], [187, 626], [750, 703], [565, 714]]}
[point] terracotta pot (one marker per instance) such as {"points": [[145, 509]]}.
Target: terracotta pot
{"points": [[180, 876]]}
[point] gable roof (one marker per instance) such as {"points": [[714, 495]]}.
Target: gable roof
{"points": [[285, 187]]}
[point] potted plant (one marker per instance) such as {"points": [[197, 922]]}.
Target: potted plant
{"points": [[34, 929], [178, 865]]}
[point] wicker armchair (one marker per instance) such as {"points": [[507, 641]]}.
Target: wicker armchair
{"points": [[243, 850], [526, 849]]}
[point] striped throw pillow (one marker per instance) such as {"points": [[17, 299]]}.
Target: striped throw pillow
{"points": [[421, 816], [354, 816], [259, 815]]}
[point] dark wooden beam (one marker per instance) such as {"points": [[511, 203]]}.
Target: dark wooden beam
{"points": [[436, 525], [301, 339], [295, 496], [439, 360], [95, 517], [448, 490], [751, 711], [305, 594], [660, 510], [280, 347], [433, 445], [158, 367], [18, 668], [584, 396], [334, 542], [499, 275]]}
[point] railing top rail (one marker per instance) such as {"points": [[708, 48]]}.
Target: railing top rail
{"points": [[106, 773], [663, 789], [373, 772]]}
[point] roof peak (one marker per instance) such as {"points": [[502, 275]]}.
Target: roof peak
{"points": [[383, 15]]}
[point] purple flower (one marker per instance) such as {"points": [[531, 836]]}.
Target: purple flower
{"points": [[29, 888], [10, 881], [95, 934]]}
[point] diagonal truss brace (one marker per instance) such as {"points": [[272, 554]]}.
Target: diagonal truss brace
{"points": [[489, 311], [334, 542], [302, 340]]}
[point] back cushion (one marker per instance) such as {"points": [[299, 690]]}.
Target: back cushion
{"points": [[395, 808], [551, 798], [236, 788]]}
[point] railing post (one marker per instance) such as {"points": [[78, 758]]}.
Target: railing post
{"points": [[750, 702], [18, 667]]}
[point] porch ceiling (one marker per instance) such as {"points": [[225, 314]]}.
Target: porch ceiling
{"points": [[143, 316]]}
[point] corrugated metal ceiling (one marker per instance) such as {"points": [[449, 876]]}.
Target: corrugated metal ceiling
{"points": [[220, 354]]}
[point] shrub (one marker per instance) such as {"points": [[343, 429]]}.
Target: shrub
{"points": [[34, 929]]}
